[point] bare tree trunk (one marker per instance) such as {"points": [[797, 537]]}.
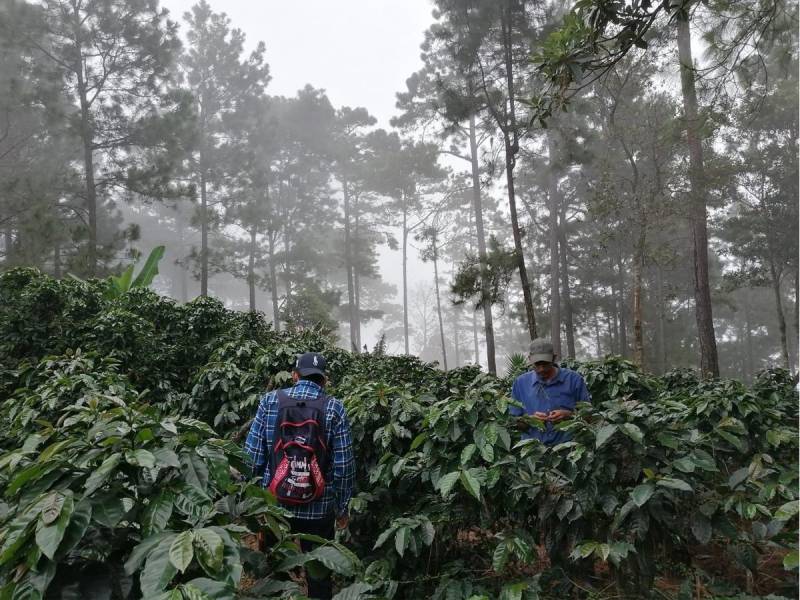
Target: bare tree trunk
{"points": [[566, 295], [623, 326], [709, 362], [509, 128], [638, 267], [439, 303], [598, 344], [405, 273], [203, 233], [348, 265], [356, 278], [273, 282], [555, 297], [478, 209], [87, 136], [662, 317], [456, 339], [251, 271], [749, 339], [775, 277], [475, 337]]}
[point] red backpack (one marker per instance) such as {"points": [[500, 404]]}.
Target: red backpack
{"points": [[299, 457]]}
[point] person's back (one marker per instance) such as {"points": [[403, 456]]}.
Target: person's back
{"points": [[319, 515]]}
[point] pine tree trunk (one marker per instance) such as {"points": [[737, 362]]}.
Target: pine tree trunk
{"points": [[475, 338], [356, 277], [662, 318], [598, 344], [203, 233], [87, 139], [623, 325], [456, 338], [638, 267], [251, 272], [509, 129], [405, 274], [749, 339], [478, 209], [566, 294], [273, 282], [439, 304], [555, 297], [348, 265], [775, 277], [709, 362]]}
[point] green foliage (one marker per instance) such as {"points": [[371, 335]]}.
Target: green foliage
{"points": [[111, 470]]}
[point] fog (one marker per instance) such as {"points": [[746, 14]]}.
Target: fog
{"points": [[324, 162]]}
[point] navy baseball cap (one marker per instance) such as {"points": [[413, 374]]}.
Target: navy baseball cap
{"points": [[310, 363]]}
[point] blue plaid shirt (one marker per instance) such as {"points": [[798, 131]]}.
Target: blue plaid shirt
{"points": [[340, 477]]}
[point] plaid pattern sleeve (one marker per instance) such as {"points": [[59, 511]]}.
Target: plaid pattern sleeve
{"points": [[341, 474]]}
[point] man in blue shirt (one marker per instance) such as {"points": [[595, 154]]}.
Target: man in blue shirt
{"points": [[317, 517], [548, 392]]}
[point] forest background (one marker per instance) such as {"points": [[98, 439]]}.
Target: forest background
{"points": [[122, 130]]}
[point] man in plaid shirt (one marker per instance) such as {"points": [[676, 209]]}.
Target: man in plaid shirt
{"points": [[317, 517]]}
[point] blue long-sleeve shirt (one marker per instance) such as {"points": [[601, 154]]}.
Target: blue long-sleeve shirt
{"points": [[562, 391], [340, 478]]}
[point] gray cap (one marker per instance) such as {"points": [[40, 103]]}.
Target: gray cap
{"points": [[541, 351]]}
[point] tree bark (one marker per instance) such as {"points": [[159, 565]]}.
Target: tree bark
{"points": [[555, 297], [475, 338], [709, 362], [57, 260], [749, 339], [203, 233], [511, 142], [273, 282], [478, 209], [87, 137], [662, 318], [775, 276], [439, 302], [638, 267], [356, 277], [405, 274], [251, 272], [566, 294], [623, 325], [348, 265]]}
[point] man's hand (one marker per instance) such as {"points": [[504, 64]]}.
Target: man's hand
{"points": [[559, 414], [342, 522], [543, 416]]}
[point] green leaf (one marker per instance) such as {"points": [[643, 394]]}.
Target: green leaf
{"points": [[633, 432], [685, 465], [356, 591], [467, 453], [150, 269], [195, 471], [48, 537], [99, 476], [604, 434], [78, 524], [419, 440], [212, 590], [158, 570], [141, 458], [333, 558], [385, 535], [791, 560], [788, 510], [143, 550], [157, 513], [675, 484], [446, 483], [52, 507], [500, 557], [401, 540], [209, 550], [181, 552], [108, 510], [471, 484], [641, 493], [737, 477]]}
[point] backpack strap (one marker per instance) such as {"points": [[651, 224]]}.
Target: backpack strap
{"points": [[285, 400]]}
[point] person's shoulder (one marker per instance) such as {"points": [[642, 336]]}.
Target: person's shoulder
{"points": [[570, 374], [525, 377]]}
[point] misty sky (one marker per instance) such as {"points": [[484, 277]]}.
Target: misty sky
{"points": [[359, 51]]}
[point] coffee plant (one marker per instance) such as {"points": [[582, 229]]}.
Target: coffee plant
{"points": [[120, 477]]}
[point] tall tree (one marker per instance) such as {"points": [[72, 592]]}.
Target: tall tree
{"points": [[220, 79], [115, 58]]}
